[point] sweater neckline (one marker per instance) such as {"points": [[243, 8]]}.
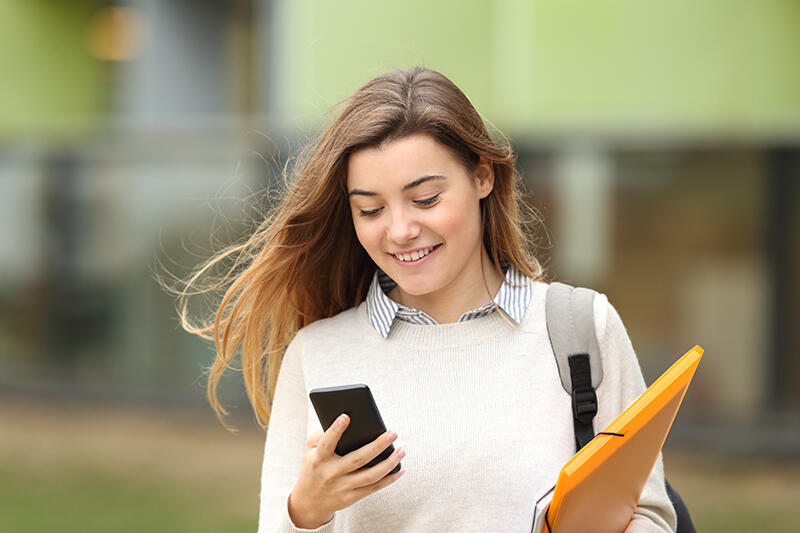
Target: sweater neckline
{"points": [[437, 336]]}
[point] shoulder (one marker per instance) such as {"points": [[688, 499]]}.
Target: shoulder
{"points": [[606, 318], [535, 310], [602, 309], [618, 365]]}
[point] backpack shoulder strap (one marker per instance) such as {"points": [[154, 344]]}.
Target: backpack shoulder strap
{"points": [[570, 325]]}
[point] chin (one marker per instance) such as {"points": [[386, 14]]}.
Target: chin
{"points": [[416, 289]]}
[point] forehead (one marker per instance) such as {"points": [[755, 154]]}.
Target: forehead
{"points": [[400, 161]]}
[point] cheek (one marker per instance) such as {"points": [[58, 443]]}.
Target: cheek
{"points": [[368, 234], [459, 221]]}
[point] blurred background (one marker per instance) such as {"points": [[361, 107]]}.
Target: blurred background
{"points": [[659, 141]]}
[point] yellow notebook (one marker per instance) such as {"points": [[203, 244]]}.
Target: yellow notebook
{"points": [[599, 487]]}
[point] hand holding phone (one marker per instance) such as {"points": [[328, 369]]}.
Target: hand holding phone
{"points": [[330, 481], [357, 402]]}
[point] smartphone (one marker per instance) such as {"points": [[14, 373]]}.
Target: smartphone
{"points": [[366, 423]]}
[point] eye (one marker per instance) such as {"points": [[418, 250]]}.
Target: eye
{"points": [[427, 201], [370, 213]]}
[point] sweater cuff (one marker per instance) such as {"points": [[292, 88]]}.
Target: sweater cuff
{"points": [[290, 527]]}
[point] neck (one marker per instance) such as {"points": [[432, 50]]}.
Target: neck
{"points": [[475, 287]]}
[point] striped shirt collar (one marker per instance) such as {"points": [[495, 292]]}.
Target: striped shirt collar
{"points": [[513, 298]]}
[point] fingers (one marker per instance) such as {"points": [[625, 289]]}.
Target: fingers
{"points": [[358, 458], [385, 481], [369, 476], [327, 444]]}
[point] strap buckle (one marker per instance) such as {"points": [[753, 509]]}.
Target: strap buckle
{"points": [[584, 405]]}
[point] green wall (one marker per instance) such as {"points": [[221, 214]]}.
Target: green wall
{"points": [[49, 84], [534, 67], [333, 47], [542, 67]]}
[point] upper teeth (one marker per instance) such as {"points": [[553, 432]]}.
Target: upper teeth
{"points": [[413, 256]]}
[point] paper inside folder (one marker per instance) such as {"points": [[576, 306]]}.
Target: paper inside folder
{"points": [[539, 512]]}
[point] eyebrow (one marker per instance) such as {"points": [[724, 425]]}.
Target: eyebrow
{"points": [[407, 186]]}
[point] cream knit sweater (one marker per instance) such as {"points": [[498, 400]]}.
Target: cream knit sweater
{"points": [[477, 405]]}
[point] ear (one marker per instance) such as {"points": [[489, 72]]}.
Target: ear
{"points": [[484, 178]]}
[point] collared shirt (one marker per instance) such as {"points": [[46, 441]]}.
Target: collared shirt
{"points": [[513, 298]]}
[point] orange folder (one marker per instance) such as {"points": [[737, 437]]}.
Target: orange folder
{"points": [[599, 487]]}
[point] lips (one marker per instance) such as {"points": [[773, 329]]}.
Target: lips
{"points": [[415, 255]]}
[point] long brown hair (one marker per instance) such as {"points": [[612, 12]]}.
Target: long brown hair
{"points": [[304, 261]]}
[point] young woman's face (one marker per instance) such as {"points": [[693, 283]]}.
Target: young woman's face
{"points": [[416, 212]]}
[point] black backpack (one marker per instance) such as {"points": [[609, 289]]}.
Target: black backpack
{"points": [[570, 325]]}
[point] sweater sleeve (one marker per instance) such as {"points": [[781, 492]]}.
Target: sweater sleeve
{"points": [[622, 384], [285, 446]]}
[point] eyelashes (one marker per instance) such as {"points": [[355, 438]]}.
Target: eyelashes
{"points": [[425, 202]]}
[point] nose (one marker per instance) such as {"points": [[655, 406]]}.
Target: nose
{"points": [[402, 228]]}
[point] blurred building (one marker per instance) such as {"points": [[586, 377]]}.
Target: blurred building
{"points": [[661, 143]]}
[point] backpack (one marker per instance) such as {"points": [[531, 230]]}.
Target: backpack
{"points": [[570, 325]]}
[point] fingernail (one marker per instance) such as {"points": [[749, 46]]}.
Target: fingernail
{"points": [[342, 419], [401, 453], [390, 436]]}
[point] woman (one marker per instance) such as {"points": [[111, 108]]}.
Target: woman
{"points": [[398, 259]]}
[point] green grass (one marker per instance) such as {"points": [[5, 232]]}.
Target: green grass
{"points": [[722, 497], [93, 469], [90, 500], [733, 496]]}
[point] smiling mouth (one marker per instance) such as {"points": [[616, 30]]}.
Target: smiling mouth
{"points": [[416, 254]]}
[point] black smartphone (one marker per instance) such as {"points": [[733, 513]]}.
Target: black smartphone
{"points": [[366, 423]]}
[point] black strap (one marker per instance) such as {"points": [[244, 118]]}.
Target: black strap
{"points": [[584, 399], [685, 524]]}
